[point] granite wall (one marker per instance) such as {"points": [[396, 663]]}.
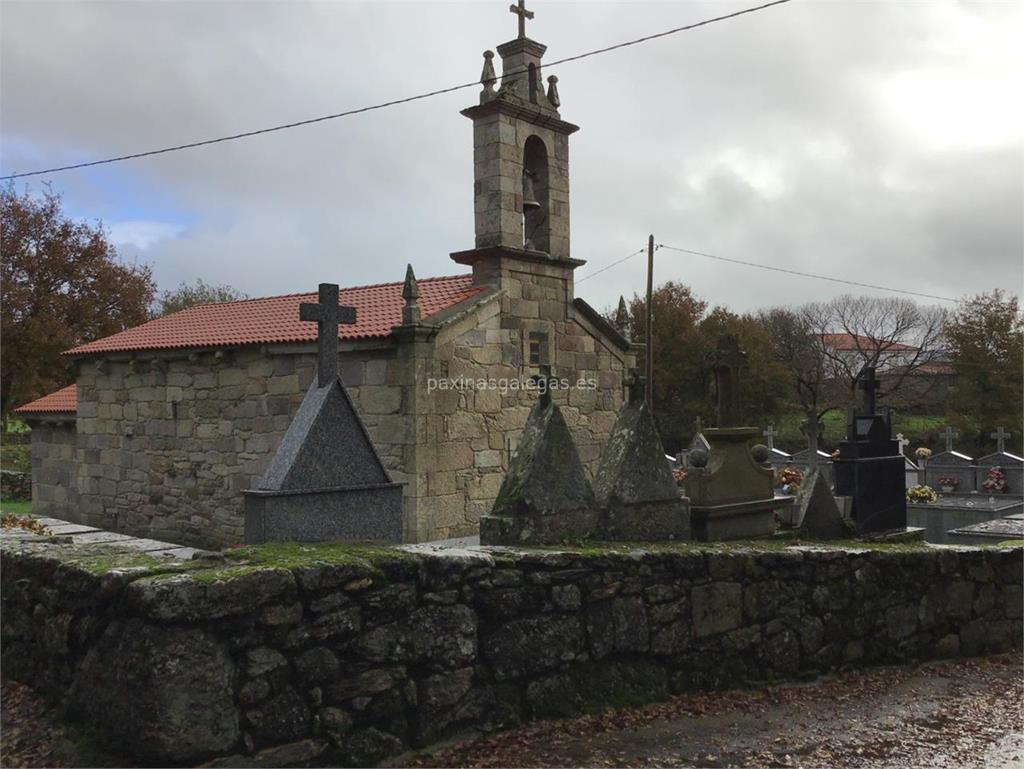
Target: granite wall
{"points": [[339, 656], [165, 445], [54, 468]]}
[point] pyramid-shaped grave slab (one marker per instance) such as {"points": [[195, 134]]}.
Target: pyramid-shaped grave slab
{"points": [[545, 497]]}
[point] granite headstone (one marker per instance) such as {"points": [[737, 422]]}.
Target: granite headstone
{"points": [[326, 481]]}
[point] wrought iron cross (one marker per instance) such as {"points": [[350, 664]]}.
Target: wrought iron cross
{"points": [[523, 14], [950, 434], [1000, 435], [770, 435], [328, 315], [869, 385]]}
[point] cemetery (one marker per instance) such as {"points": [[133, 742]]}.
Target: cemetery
{"points": [[264, 533]]}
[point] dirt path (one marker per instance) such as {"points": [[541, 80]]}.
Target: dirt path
{"points": [[943, 716], [946, 715]]}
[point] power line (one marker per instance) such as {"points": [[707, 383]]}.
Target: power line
{"points": [[617, 262], [285, 126], [809, 274]]}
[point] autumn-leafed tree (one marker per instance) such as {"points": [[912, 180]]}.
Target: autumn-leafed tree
{"points": [[192, 294], [62, 285], [685, 332], [985, 338]]}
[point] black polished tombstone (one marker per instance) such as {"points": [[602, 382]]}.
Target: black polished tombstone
{"points": [[870, 468]]}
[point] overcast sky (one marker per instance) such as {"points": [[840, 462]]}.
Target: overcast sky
{"points": [[875, 141]]}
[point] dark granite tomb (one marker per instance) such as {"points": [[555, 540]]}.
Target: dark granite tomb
{"points": [[870, 468], [326, 481]]}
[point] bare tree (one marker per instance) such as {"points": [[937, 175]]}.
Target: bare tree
{"points": [[797, 346], [896, 337]]}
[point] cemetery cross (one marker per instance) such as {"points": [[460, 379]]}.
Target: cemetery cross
{"points": [[770, 435], [869, 385], [950, 434], [1000, 435], [328, 315]]}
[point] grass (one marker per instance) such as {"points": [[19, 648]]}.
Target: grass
{"points": [[18, 508], [920, 429]]}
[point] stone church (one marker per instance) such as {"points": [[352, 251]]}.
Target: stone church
{"points": [[167, 423]]}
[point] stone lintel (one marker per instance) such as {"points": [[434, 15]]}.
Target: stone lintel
{"points": [[527, 112]]}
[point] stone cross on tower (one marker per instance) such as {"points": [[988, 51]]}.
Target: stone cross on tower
{"points": [[328, 315], [950, 434], [1000, 435], [523, 14], [770, 435], [869, 385]]}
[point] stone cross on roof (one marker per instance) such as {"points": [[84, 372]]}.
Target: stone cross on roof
{"points": [[328, 315], [770, 435], [950, 434], [1000, 435], [523, 14], [869, 385], [544, 375]]}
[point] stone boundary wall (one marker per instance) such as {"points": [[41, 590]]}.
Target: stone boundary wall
{"points": [[329, 655]]}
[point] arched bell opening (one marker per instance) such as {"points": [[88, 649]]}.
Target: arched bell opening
{"points": [[536, 205]]}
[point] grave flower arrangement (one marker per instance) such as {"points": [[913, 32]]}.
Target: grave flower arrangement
{"points": [[679, 476], [995, 480], [922, 494], [922, 452], [948, 482], [790, 479]]}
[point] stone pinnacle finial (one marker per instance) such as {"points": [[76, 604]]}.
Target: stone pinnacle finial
{"points": [[411, 295], [553, 92], [488, 78], [622, 318]]}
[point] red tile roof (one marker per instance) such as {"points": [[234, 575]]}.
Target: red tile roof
{"points": [[64, 400], [275, 319], [855, 342]]}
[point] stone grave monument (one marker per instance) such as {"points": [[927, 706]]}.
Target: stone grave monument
{"points": [[634, 487], [870, 469], [1010, 465], [951, 464], [731, 491], [545, 498], [326, 481], [816, 512], [777, 458]]}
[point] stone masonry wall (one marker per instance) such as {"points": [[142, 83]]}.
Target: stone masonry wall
{"points": [[53, 467], [320, 654], [165, 446], [468, 433]]}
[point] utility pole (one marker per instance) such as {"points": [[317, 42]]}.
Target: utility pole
{"points": [[649, 362]]}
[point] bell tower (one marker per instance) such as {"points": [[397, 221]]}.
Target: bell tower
{"points": [[520, 157]]}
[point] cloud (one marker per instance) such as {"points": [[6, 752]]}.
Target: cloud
{"points": [[141, 234], [877, 142]]}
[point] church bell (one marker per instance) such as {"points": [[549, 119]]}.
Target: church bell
{"points": [[530, 202]]}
